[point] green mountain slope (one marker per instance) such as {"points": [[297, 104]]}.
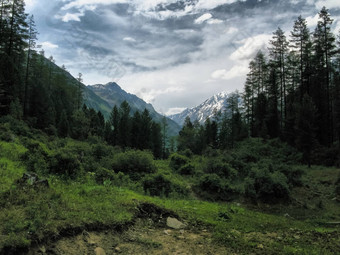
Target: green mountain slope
{"points": [[115, 95]]}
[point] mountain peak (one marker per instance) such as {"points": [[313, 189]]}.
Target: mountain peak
{"points": [[205, 110], [109, 86]]}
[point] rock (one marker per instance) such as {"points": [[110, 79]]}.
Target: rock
{"points": [[99, 251], [174, 223], [167, 232]]}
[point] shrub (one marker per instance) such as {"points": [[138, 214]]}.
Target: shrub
{"points": [[187, 169], [157, 185], [326, 156], [187, 153], [212, 187], [134, 163], [337, 187], [37, 157], [160, 185], [222, 169], [177, 161], [267, 187], [65, 163]]}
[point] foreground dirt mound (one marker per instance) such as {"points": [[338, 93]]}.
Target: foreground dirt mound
{"points": [[151, 234], [143, 238]]}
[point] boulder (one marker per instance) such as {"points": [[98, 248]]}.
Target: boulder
{"points": [[99, 251], [174, 223]]}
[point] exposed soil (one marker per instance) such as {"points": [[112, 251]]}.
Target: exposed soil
{"points": [[149, 235], [143, 238]]}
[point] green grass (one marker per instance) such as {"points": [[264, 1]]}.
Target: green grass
{"points": [[30, 213]]}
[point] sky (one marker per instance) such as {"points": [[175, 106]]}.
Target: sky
{"points": [[172, 53]]}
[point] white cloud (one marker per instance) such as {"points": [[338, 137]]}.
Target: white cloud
{"points": [[312, 21], [30, 4], [129, 39], [211, 4], [48, 45], [70, 16], [203, 18], [175, 110], [235, 71], [250, 47], [330, 4], [214, 21]]}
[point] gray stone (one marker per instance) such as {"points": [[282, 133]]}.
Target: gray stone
{"points": [[99, 251], [174, 223]]}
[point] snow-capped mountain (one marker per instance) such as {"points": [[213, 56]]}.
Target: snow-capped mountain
{"points": [[204, 110]]}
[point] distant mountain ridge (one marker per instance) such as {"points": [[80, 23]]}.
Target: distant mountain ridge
{"points": [[205, 110], [113, 94]]}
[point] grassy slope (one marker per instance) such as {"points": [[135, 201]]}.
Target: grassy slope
{"points": [[34, 213]]}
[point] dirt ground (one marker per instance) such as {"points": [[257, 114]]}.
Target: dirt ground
{"points": [[143, 238]]}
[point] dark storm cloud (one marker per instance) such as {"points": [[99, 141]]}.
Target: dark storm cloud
{"points": [[174, 48]]}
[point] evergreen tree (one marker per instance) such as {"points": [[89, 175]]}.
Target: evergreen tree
{"points": [[272, 117], [12, 45], [63, 125], [32, 36], [114, 122], [324, 45], [124, 125], [305, 128], [302, 46], [279, 53], [156, 138]]}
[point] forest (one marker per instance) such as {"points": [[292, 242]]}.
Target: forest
{"points": [[260, 177]]}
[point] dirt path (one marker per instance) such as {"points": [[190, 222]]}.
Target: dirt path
{"points": [[143, 238]]}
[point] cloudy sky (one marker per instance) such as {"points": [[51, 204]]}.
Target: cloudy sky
{"points": [[172, 53]]}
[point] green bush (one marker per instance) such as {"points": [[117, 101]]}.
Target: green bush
{"points": [[267, 187], [213, 187], [177, 161], [187, 153], [36, 158], [222, 169], [160, 185], [326, 156], [66, 163], [337, 187], [134, 163], [187, 169]]}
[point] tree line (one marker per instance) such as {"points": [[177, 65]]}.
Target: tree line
{"points": [[293, 92], [222, 131]]}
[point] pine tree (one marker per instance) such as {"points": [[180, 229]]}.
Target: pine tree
{"points": [[124, 125], [324, 45], [164, 137], [32, 36], [114, 122], [279, 53], [272, 117], [302, 46], [305, 128], [63, 125], [12, 44], [156, 139]]}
